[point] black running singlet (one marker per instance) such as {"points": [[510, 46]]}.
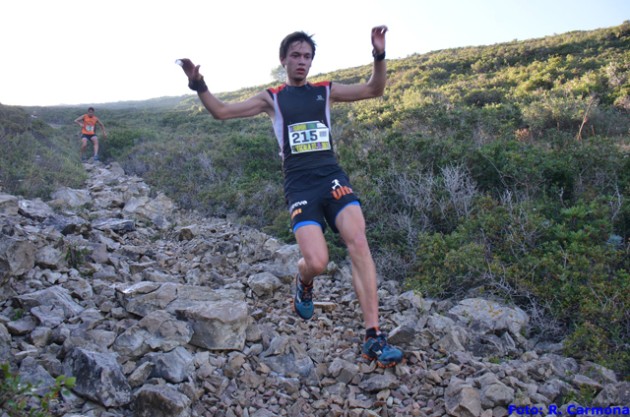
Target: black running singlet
{"points": [[302, 126]]}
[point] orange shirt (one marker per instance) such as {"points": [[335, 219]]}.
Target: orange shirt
{"points": [[89, 124]]}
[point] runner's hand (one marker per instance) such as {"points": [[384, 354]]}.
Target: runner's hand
{"points": [[378, 38], [191, 70]]}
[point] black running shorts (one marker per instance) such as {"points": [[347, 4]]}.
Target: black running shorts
{"points": [[317, 198]]}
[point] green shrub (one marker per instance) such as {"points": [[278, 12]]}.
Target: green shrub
{"points": [[121, 142], [563, 261], [482, 97], [20, 399], [603, 345], [38, 169], [445, 267]]}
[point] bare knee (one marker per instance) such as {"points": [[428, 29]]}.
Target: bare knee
{"points": [[316, 264], [357, 243]]}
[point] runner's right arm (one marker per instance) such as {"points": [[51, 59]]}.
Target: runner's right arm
{"points": [[260, 103]]}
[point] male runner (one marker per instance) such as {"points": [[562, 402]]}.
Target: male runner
{"points": [[317, 189], [88, 124]]}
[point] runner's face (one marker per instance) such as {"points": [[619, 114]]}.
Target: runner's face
{"points": [[298, 62]]}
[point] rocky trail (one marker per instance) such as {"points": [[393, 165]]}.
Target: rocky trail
{"points": [[160, 312]]}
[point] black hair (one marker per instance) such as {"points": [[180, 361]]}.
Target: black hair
{"points": [[296, 37], [90, 108]]}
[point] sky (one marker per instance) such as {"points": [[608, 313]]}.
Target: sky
{"points": [[88, 52]]}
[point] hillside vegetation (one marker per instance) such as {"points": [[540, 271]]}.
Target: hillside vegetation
{"points": [[498, 170]]}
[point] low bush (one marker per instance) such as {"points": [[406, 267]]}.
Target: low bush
{"points": [[567, 261], [20, 399]]}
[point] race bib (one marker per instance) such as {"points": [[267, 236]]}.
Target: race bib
{"points": [[309, 137], [89, 128]]}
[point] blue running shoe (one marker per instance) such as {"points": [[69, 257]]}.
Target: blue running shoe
{"points": [[377, 348], [303, 300], [95, 157]]}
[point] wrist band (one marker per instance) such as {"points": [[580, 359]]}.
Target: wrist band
{"points": [[198, 85], [378, 57]]}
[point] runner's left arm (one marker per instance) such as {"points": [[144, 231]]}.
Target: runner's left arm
{"points": [[376, 84], [102, 128]]}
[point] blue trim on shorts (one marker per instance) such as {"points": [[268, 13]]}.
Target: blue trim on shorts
{"points": [[306, 223], [352, 203]]}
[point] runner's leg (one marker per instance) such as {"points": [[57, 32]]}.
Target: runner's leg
{"points": [[83, 146], [95, 144], [351, 225], [312, 243]]}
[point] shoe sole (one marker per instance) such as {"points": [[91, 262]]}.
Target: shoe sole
{"points": [[379, 363]]}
